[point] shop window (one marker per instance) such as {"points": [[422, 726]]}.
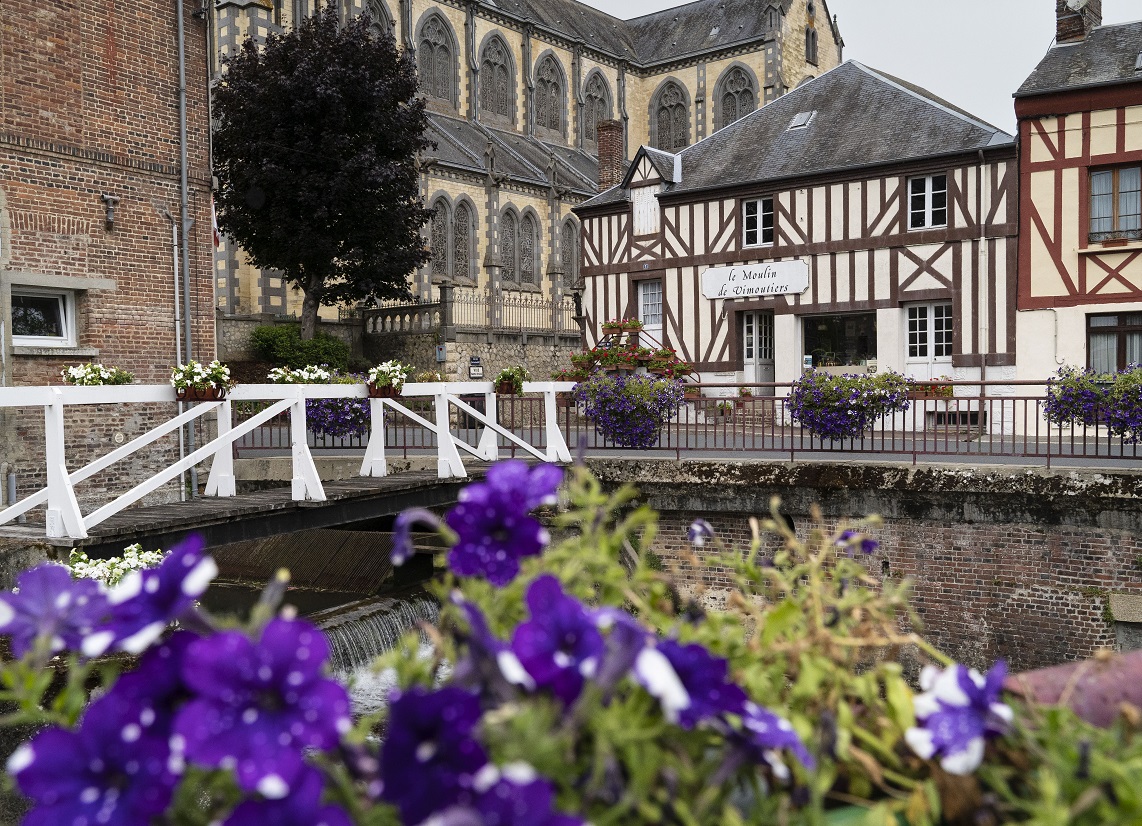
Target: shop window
{"points": [[840, 340], [1116, 204], [43, 318], [1113, 341], [928, 202], [757, 222]]}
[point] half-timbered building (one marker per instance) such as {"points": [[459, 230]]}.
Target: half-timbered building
{"points": [[857, 223], [1080, 166]]}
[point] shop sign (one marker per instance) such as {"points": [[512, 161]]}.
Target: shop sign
{"points": [[770, 278]]}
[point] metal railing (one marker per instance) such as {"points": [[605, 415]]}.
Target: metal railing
{"points": [[63, 517], [982, 421], [475, 310]]}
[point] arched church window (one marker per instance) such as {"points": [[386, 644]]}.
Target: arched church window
{"points": [[673, 119], [508, 247], [438, 240], [811, 46], [738, 97], [435, 62], [462, 242], [595, 106], [379, 20], [569, 254], [496, 80], [527, 243], [549, 95]]}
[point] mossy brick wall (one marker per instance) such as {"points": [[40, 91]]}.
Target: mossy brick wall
{"points": [[91, 107], [1006, 562]]}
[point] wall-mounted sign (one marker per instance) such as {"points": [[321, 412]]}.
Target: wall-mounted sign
{"points": [[475, 368], [770, 278]]}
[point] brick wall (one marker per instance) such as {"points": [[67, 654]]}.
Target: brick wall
{"points": [[1006, 563], [89, 106]]}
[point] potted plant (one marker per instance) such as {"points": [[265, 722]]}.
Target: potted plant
{"points": [[386, 379], [631, 325], [336, 418], [95, 375], [843, 407], [195, 381], [1077, 397], [934, 389], [612, 327], [725, 408], [744, 393], [509, 381]]}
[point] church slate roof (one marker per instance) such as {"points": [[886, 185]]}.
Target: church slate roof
{"points": [[1109, 54], [861, 118], [701, 26], [463, 144]]}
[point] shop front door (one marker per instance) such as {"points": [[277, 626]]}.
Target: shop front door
{"points": [[757, 347]]}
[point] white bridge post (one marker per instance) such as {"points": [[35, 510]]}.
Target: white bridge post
{"points": [[374, 463], [489, 446], [448, 462], [221, 480], [306, 482], [63, 515], [556, 445]]}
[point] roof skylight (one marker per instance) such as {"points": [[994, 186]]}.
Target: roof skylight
{"points": [[801, 120]]}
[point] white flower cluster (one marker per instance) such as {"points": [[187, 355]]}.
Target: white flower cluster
{"points": [[389, 374], [310, 374], [195, 374], [94, 375], [110, 571]]}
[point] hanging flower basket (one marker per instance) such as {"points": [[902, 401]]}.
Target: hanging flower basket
{"points": [[200, 394], [505, 387], [384, 391]]}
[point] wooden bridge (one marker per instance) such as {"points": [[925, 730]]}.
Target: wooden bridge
{"points": [[223, 516]]}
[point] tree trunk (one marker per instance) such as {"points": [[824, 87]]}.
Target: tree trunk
{"points": [[309, 307]]}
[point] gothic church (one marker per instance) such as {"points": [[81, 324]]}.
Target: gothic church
{"points": [[515, 90]]}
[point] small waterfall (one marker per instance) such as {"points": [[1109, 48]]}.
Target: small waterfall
{"points": [[361, 631]]}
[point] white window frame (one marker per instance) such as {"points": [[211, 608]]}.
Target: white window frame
{"points": [[920, 333], [754, 231], [926, 210], [66, 303], [644, 204]]}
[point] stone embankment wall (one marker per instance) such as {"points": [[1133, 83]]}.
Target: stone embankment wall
{"points": [[1034, 566], [541, 354]]}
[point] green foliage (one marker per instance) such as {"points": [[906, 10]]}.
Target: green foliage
{"points": [[516, 375], [282, 346], [315, 152]]}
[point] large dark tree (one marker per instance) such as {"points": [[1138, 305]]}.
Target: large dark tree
{"points": [[316, 154]]}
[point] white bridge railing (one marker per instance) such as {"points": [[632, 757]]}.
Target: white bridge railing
{"points": [[64, 518]]}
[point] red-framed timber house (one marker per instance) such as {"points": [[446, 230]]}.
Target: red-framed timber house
{"points": [[1080, 167], [886, 218]]}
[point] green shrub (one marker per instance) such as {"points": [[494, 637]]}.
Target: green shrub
{"points": [[282, 346]]}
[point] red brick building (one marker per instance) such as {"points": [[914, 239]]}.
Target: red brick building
{"points": [[90, 163]]}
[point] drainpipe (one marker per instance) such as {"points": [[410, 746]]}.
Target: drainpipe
{"points": [[184, 209], [177, 348], [985, 346]]}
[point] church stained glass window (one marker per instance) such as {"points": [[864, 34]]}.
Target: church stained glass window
{"points": [[673, 119], [595, 106], [527, 236], [738, 97], [496, 80], [549, 95], [438, 240], [508, 247], [462, 242], [569, 254], [435, 63]]}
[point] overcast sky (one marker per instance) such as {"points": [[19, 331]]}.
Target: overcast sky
{"points": [[974, 53]]}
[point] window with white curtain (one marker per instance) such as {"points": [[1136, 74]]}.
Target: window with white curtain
{"points": [[1113, 341], [1116, 203]]}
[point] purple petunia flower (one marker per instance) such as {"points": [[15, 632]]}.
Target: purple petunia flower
{"points": [[849, 539], [689, 682], [700, 531], [512, 796], [492, 521], [301, 808], [111, 770], [626, 639], [430, 753], [488, 665], [402, 532], [560, 645], [51, 605], [957, 710], [258, 705], [769, 734], [146, 601]]}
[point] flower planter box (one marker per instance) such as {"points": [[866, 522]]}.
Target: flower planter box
{"points": [[505, 388], [612, 329], [386, 391], [922, 395], [200, 394]]}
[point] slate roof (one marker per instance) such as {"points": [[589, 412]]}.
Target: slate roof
{"points": [[862, 118], [463, 144], [699, 26], [1109, 54]]}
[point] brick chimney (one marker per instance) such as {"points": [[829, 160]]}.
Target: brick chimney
{"points": [[1074, 19], [610, 153]]}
